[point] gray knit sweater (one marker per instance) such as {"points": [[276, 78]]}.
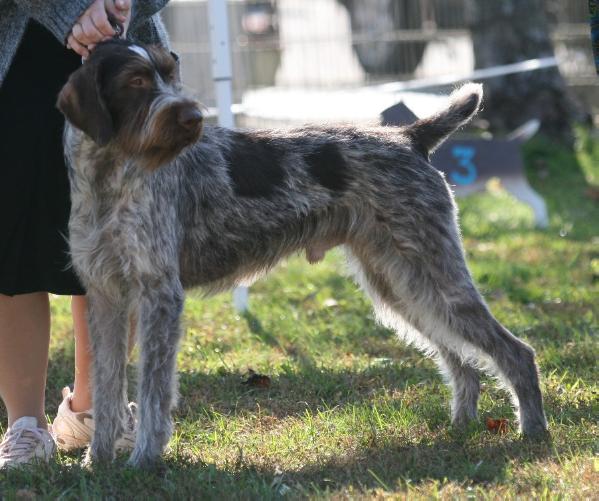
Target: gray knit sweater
{"points": [[59, 16]]}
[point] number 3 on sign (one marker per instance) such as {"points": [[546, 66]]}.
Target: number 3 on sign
{"points": [[464, 155]]}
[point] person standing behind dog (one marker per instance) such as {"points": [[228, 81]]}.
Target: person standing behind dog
{"points": [[35, 61]]}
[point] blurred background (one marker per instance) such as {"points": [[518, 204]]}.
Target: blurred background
{"points": [[298, 61]]}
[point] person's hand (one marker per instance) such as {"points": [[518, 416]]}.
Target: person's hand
{"points": [[117, 11], [94, 25], [91, 27], [120, 11]]}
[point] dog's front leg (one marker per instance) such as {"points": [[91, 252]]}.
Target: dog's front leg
{"points": [[108, 328], [159, 332]]}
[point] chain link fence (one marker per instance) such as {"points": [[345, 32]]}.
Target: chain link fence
{"points": [[339, 44]]}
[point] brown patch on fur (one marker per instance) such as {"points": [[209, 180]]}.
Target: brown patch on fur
{"points": [[165, 63], [80, 101]]}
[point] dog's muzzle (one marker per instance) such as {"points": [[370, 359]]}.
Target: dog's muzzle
{"points": [[190, 118]]}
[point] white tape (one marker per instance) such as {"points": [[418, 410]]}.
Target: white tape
{"points": [[482, 74]]}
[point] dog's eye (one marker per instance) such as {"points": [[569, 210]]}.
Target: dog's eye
{"points": [[137, 82]]}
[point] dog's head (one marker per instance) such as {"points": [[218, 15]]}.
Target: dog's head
{"points": [[129, 95]]}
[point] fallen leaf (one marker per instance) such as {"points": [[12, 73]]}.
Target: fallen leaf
{"points": [[499, 426], [256, 380]]}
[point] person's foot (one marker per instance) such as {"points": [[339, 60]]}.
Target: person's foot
{"points": [[24, 443], [74, 430]]}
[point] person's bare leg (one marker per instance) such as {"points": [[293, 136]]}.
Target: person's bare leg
{"points": [[81, 399], [24, 343]]}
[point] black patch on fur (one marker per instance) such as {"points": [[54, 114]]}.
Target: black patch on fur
{"points": [[328, 167], [254, 165]]}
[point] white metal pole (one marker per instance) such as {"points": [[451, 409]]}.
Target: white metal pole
{"points": [[222, 75]]}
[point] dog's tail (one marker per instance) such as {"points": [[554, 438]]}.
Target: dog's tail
{"points": [[428, 133]]}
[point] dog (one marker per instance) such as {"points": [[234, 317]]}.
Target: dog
{"points": [[161, 203]]}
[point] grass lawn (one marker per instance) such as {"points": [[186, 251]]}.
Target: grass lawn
{"points": [[351, 412]]}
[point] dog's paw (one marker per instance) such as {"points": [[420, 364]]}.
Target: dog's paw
{"points": [[95, 457], [463, 418], [143, 461], [537, 433], [533, 425]]}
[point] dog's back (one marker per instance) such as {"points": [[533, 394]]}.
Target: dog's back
{"points": [[257, 196]]}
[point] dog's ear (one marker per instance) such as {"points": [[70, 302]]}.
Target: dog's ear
{"points": [[80, 101]]}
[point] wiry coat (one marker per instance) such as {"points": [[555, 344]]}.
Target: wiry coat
{"points": [[223, 209]]}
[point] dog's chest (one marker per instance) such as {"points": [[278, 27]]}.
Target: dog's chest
{"points": [[114, 233]]}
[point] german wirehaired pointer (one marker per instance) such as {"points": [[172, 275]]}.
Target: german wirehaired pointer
{"points": [[160, 205]]}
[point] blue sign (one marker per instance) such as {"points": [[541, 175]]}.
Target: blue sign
{"points": [[464, 155]]}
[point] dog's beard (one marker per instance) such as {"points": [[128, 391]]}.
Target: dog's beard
{"points": [[162, 138]]}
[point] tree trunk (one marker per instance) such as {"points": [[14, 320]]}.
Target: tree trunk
{"points": [[508, 31]]}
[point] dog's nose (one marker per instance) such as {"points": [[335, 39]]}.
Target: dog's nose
{"points": [[190, 118]]}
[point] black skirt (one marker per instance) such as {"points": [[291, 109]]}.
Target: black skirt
{"points": [[34, 186]]}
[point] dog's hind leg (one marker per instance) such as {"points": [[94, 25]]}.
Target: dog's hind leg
{"points": [[431, 288], [108, 328], [506, 356], [464, 381], [462, 378], [159, 332]]}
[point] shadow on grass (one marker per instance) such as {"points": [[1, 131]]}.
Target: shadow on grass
{"points": [[256, 328], [364, 336], [379, 461], [389, 466], [313, 390], [392, 464], [307, 388]]}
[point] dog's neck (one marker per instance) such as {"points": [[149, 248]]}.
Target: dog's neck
{"points": [[101, 168]]}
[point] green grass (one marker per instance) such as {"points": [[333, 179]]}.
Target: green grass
{"points": [[353, 413]]}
